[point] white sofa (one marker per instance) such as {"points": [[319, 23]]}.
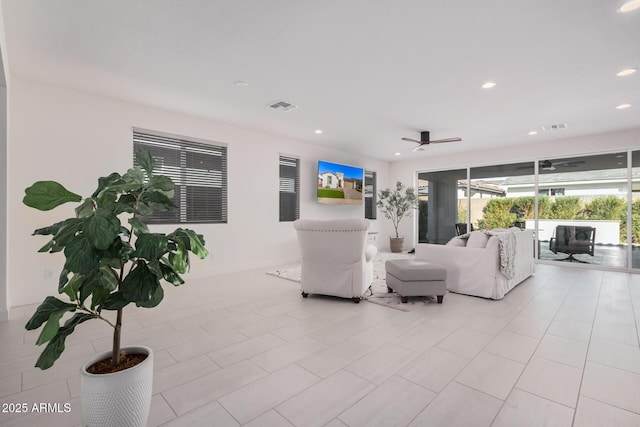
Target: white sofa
{"points": [[335, 258], [474, 264]]}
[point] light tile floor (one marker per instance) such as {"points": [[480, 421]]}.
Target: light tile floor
{"points": [[561, 349]]}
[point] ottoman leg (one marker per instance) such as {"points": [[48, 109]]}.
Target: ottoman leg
{"points": [[404, 299], [440, 297], [389, 290]]}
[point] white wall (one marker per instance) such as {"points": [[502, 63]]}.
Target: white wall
{"points": [[405, 171], [4, 78], [74, 138]]}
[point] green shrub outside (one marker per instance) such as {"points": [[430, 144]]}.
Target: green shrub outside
{"points": [[497, 211], [567, 207], [635, 223]]}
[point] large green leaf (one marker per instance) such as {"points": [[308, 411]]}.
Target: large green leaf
{"points": [[55, 347], [145, 159], [196, 242], [49, 246], [156, 298], [73, 286], [99, 286], [85, 208], [101, 228], [46, 195], [108, 279], [126, 203], [139, 227], [179, 260], [116, 301], [157, 200], [80, 256], [62, 231], [151, 246], [140, 284], [63, 279], [161, 182], [55, 228], [49, 306], [170, 275], [107, 200], [134, 175], [105, 182], [50, 328], [125, 187]]}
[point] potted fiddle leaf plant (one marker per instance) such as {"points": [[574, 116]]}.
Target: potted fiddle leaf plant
{"points": [[112, 260], [395, 205]]}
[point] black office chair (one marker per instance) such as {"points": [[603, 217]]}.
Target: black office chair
{"points": [[573, 240], [461, 228]]}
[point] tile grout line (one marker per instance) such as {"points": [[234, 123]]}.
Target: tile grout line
{"points": [[534, 351], [586, 356]]}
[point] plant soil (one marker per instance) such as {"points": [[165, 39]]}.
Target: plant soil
{"points": [[126, 361]]}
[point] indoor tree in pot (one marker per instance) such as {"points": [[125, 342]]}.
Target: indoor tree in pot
{"points": [[111, 261], [396, 205]]}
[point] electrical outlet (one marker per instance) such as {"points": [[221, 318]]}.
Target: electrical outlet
{"points": [[48, 274]]}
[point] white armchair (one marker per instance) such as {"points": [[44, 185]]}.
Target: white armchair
{"points": [[335, 258]]}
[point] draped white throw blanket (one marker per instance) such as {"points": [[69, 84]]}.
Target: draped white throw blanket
{"points": [[506, 249]]}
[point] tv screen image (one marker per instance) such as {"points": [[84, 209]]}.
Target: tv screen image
{"points": [[339, 184]]}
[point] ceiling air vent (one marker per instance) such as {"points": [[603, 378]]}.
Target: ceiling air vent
{"points": [[554, 127], [283, 106]]}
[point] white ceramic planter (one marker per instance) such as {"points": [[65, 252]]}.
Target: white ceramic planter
{"points": [[121, 399]]}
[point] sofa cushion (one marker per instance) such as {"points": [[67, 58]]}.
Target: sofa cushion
{"points": [[477, 239], [456, 241]]}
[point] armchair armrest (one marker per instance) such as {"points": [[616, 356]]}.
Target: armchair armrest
{"points": [[370, 252]]}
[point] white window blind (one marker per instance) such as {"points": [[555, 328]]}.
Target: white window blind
{"points": [[289, 188], [370, 188], [199, 172]]}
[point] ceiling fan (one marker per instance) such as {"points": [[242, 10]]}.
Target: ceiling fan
{"points": [[424, 140], [548, 165]]}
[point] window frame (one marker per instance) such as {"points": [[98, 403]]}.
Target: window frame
{"points": [[374, 197], [183, 152], [289, 207]]}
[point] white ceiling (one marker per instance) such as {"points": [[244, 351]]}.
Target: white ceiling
{"points": [[365, 72]]}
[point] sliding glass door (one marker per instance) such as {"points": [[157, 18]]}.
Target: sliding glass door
{"points": [[577, 206], [502, 196], [442, 204], [582, 209]]}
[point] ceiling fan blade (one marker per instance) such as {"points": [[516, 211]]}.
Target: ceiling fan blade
{"points": [[573, 164], [437, 141], [412, 140], [420, 147]]}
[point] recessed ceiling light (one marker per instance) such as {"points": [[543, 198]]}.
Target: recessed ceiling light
{"points": [[628, 6], [488, 85], [318, 131], [626, 72], [396, 154], [241, 83], [623, 106], [533, 132]]}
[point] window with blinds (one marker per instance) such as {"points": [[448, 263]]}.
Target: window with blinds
{"points": [[199, 172], [370, 185], [289, 188]]}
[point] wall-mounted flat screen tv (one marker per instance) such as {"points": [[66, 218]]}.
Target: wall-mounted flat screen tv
{"points": [[339, 184]]}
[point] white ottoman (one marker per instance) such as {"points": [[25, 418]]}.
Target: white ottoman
{"points": [[410, 278]]}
